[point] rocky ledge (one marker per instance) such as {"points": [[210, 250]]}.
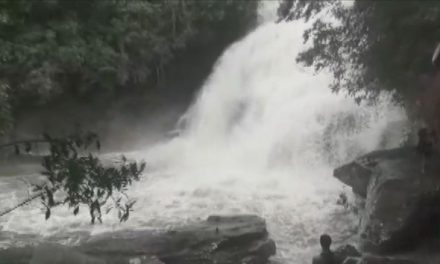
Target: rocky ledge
{"points": [[219, 239], [399, 206]]}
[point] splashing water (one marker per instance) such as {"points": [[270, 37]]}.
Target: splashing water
{"points": [[262, 137]]}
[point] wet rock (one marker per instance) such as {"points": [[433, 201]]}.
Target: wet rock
{"points": [[219, 239], [20, 255], [401, 204], [263, 248], [51, 253], [356, 175], [346, 251], [58, 254], [351, 260], [383, 260], [377, 260]]}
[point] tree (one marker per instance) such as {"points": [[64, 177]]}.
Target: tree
{"points": [[372, 46], [52, 49], [75, 177], [5, 110]]}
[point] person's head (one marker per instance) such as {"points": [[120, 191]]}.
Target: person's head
{"points": [[325, 241]]}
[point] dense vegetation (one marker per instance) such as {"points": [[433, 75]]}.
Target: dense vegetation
{"points": [[371, 46], [99, 50]]}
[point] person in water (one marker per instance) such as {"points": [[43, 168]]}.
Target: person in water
{"points": [[326, 256]]}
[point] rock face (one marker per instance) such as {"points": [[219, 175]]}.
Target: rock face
{"points": [[219, 239], [401, 204], [346, 251], [58, 254], [377, 260]]}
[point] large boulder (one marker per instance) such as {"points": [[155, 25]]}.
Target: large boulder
{"points": [[346, 251], [58, 254], [377, 260], [219, 239], [401, 204]]}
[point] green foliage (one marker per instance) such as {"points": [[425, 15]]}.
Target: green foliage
{"points": [[76, 177], [5, 110], [298, 9], [95, 48], [82, 179], [374, 46]]}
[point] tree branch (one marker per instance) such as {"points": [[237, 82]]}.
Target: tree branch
{"points": [[19, 142], [21, 204]]}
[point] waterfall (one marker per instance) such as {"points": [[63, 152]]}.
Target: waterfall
{"points": [[262, 137]]}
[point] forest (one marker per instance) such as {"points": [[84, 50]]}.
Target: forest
{"points": [[371, 46], [97, 52]]}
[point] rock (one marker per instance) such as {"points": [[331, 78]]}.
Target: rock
{"points": [[264, 249], [351, 260], [252, 260], [144, 260], [19, 255], [50, 253], [376, 260], [356, 175], [231, 239], [401, 204], [58, 254], [383, 260], [346, 251], [219, 239]]}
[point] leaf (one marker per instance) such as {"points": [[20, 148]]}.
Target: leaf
{"points": [[83, 178], [47, 213], [124, 218], [50, 199], [130, 204], [142, 168]]}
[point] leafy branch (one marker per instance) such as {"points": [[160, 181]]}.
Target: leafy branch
{"points": [[74, 178]]}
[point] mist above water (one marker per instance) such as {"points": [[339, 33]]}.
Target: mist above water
{"points": [[262, 137]]}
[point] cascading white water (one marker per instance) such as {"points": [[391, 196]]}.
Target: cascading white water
{"points": [[262, 137]]}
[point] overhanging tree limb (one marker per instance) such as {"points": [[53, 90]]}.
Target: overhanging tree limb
{"points": [[4, 212]]}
